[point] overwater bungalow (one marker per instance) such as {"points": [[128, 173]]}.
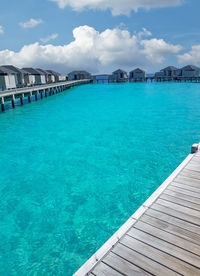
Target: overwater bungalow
{"points": [[19, 73], [8, 78], [169, 71], [58, 77], [43, 75], [190, 71], [32, 76], [79, 75], [120, 76], [137, 75], [103, 78]]}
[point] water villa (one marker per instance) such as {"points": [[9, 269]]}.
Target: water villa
{"points": [[119, 76], [171, 73], [79, 75], [137, 75]]}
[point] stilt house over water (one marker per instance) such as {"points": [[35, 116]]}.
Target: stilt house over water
{"points": [[8, 78], [120, 76], [32, 76], [137, 75], [190, 71], [79, 75]]}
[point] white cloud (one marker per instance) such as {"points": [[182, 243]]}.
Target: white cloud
{"points": [[48, 38], [117, 7], [191, 57], [156, 49], [92, 51], [1, 30], [31, 23]]}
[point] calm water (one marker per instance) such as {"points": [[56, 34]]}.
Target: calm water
{"points": [[76, 165]]}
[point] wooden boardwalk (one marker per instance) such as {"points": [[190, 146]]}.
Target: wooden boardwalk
{"points": [[44, 90], [162, 237]]}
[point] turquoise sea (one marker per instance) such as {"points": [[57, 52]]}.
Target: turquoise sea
{"points": [[75, 166]]}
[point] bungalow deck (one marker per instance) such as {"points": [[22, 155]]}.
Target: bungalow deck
{"points": [[163, 236]]}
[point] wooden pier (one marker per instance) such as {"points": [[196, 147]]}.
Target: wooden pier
{"points": [[163, 236], [39, 92]]}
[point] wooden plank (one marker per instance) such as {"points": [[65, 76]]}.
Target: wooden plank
{"points": [[186, 187], [142, 261], [182, 196], [166, 247], [123, 266], [180, 201], [196, 159], [182, 191], [190, 173], [174, 221], [176, 214], [161, 257], [188, 181], [168, 237], [104, 270], [193, 213], [193, 167], [173, 229]]}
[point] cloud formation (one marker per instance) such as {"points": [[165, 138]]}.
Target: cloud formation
{"points": [[117, 7], [48, 38], [191, 57], [31, 23], [92, 50], [1, 30]]}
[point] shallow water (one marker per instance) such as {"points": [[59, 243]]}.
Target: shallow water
{"points": [[76, 165]]}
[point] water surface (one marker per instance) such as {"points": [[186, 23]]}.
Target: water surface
{"points": [[75, 166]]}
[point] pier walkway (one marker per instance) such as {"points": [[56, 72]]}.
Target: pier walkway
{"points": [[45, 90], [163, 235]]}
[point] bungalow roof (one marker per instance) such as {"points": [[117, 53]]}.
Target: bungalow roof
{"points": [[137, 70], [190, 68], [170, 68], [79, 72], [119, 71], [31, 71]]}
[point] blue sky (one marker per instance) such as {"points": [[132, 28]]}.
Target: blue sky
{"points": [[174, 39]]}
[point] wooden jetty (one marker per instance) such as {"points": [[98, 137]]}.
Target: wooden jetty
{"points": [[163, 236], [39, 91]]}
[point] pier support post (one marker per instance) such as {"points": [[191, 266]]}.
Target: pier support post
{"points": [[45, 93], [21, 99], [41, 95], [29, 97], [195, 148], [13, 101], [2, 104]]}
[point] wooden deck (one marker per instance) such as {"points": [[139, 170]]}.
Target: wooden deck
{"points": [[43, 90], [162, 237]]}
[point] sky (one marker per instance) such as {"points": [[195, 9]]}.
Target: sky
{"points": [[99, 36]]}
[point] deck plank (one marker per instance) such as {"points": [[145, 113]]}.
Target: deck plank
{"points": [[141, 261], [182, 196], [161, 257], [193, 213], [186, 187], [168, 237], [105, 270], [173, 229], [188, 181], [166, 247], [123, 266], [179, 201], [182, 191], [174, 221]]}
